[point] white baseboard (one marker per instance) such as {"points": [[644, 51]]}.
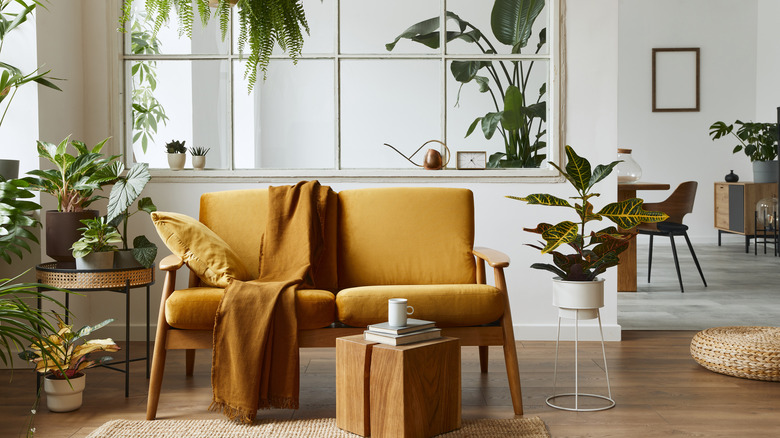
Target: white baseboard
{"points": [[548, 332]]}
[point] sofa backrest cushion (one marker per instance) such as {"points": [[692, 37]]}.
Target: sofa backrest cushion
{"points": [[239, 217], [405, 235]]}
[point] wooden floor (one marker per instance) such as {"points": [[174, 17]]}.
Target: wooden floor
{"points": [[660, 392]]}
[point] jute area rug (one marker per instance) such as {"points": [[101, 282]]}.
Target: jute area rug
{"points": [[532, 427]]}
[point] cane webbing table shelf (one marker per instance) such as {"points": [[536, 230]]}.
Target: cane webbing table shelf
{"points": [[747, 352], [64, 275]]}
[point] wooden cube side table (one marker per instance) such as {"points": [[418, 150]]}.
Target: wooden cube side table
{"points": [[353, 364], [415, 389]]}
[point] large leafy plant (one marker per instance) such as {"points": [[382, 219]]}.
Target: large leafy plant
{"points": [[263, 24], [11, 78], [75, 178], [66, 352], [518, 117], [124, 193], [16, 218], [595, 250], [758, 140]]}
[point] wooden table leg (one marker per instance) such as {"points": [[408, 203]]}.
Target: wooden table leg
{"points": [[627, 267]]}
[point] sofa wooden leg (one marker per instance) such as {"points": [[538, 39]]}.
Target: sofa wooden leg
{"points": [[190, 362], [483, 358], [158, 368], [513, 375]]}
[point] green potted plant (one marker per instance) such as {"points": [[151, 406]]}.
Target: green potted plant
{"points": [[199, 157], [262, 25], [577, 285], [519, 117], [95, 249], [124, 193], [12, 78], [74, 181], [63, 361], [177, 154], [758, 141]]}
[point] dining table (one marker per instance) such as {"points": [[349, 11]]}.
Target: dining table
{"points": [[627, 266]]}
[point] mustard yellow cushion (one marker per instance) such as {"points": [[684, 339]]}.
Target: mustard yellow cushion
{"points": [[205, 253], [405, 235], [449, 305], [195, 308]]}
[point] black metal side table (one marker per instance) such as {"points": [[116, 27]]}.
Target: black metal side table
{"points": [[64, 275]]}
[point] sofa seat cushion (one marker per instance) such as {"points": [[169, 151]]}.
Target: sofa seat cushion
{"points": [[449, 305], [195, 308]]}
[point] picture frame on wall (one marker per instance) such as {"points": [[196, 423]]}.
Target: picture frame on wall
{"points": [[676, 73]]}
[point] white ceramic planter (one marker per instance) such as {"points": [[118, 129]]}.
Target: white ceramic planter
{"points": [[176, 161], [64, 395], [578, 299], [96, 260], [198, 162]]}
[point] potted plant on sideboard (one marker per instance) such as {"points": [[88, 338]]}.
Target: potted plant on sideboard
{"points": [[758, 141], [125, 192], [177, 154], [63, 362], [73, 182], [576, 285], [95, 249], [12, 78]]}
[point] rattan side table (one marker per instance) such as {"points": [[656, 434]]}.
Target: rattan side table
{"points": [[121, 280]]}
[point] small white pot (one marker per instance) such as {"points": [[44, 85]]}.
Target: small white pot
{"points": [[176, 161], [578, 299], [96, 260], [198, 162], [64, 395]]}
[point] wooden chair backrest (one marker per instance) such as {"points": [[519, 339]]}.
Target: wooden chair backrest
{"points": [[677, 205]]}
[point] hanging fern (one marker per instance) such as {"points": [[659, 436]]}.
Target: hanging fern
{"points": [[262, 25]]}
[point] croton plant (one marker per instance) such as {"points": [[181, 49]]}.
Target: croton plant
{"points": [[594, 250]]}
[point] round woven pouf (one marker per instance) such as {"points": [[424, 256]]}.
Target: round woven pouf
{"points": [[747, 352]]}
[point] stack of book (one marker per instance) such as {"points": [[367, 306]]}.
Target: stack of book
{"points": [[415, 330]]}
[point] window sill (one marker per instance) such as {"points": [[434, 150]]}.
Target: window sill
{"points": [[358, 175]]}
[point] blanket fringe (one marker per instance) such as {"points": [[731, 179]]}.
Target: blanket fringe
{"points": [[233, 413], [279, 403]]}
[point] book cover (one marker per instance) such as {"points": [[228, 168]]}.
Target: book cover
{"points": [[403, 339], [412, 325]]}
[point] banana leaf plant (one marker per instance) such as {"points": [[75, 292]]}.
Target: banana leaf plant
{"points": [[519, 117], [595, 250]]}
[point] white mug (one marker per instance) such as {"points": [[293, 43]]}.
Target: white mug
{"points": [[397, 310]]}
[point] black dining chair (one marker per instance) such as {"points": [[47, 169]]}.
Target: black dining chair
{"points": [[677, 205]]}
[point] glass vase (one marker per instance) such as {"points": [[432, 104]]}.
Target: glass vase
{"points": [[628, 171]]}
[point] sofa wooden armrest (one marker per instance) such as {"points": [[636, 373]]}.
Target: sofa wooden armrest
{"points": [[494, 258], [171, 263]]}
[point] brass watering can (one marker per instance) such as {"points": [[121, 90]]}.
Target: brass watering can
{"points": [[432, 160]]}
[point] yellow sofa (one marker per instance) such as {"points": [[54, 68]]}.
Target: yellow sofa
{"points": [[414, 243]]}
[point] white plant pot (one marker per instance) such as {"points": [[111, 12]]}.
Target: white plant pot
{"points": [[96, 260], [198, 162], [176, 161], [578, 299], [64, 395]]}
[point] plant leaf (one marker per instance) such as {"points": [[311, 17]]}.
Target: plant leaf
{"points": [[543, 199], [144, 251], [629, 213], [578, 169], [559, 234], [512, 21]]}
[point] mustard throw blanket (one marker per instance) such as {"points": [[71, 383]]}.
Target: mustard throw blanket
{"points": [[255, 362]]}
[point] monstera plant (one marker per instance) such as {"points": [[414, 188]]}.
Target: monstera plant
{"points": [[593, 250], [518, 117], [262, 25]]}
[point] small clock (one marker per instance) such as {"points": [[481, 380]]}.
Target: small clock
{"points": [[472, 159]]}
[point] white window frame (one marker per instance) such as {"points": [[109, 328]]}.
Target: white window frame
{"points": [[556, 108]]}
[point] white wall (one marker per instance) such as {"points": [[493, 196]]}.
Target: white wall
{"points": [[674, 147], [768, 61]]}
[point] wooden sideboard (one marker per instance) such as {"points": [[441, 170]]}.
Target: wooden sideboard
{"points": [[735, 207]]}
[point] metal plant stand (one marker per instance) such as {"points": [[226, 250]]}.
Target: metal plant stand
{"points": [[587, 314], [64, 275]]}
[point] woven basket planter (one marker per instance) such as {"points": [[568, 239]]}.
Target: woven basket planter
{"points": [[747, 352]]}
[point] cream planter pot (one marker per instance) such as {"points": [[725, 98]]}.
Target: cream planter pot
{"points": [[60, 396], [198, 162], [176, 161], [578, 299], [96, 260]]}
